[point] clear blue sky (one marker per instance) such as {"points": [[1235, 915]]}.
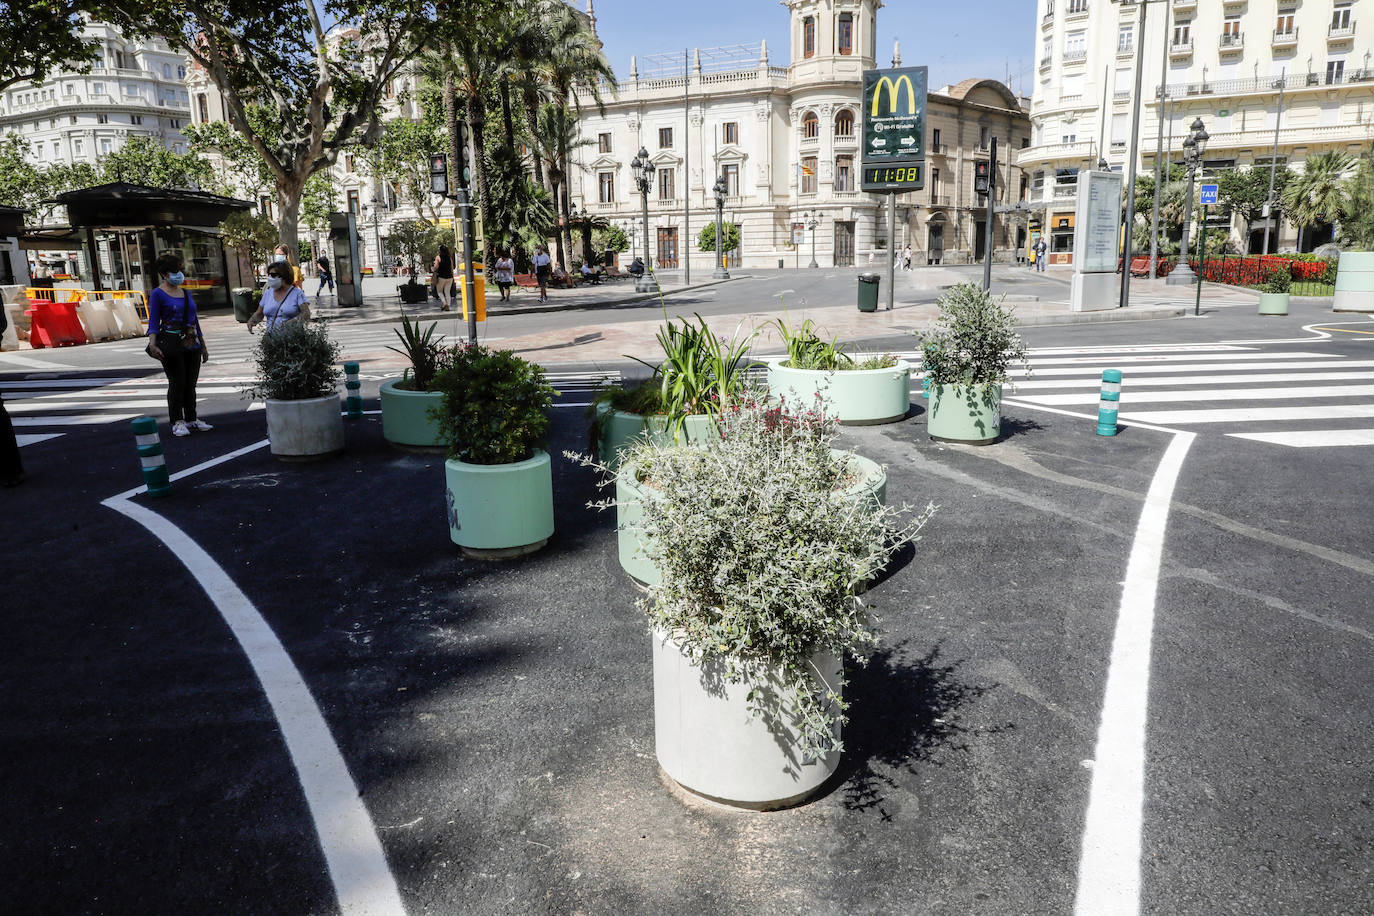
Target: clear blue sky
{"points": [[956, 40]]}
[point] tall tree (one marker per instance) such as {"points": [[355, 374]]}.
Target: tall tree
{"points": [[143, 160], [299, 84], [40, 37], [1317, 194], [238, 167], [1357, 226], [1247, 191]]}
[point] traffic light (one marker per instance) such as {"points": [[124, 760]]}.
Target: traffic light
{"points": [[980, 177], [462, 168], [438, 174]]}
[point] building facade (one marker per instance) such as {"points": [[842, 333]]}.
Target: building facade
{"points": [[786, 142], [133, 89], [1224, 61]]}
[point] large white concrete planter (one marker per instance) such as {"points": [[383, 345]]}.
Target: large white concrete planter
{"points": [[869, 482], [708, 741], [305, 430], [621, 429], [499, 511], [1354, 283], [1275, 304], [856, 397], [971, 414]]}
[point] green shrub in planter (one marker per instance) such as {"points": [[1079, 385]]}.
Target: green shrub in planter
{"points": [[495, 405], [808, 350], [296, 361], [424, 351], [1278, 280], [761, 554]]}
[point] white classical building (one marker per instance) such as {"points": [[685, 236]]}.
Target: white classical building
{"points": [[1223, 61], [133, 89], [784, 138]]}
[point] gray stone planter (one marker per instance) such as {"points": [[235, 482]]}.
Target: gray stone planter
{"points": [[305, 430]]}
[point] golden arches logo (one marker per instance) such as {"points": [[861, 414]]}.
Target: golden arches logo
{"points": [[894, 91]]}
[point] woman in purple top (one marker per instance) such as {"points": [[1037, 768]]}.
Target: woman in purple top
{"points": [[174, 337]]}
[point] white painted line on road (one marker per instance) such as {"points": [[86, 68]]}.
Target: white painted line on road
{"points": [[1132, 382], [81, 420], [24, 361], [1330, 362], [1253, 414], [1161, 348], [1309, 328], [35, 438], [1313, 438], [1203, 395], [19, 384], [353, 853], [1114, 360], [34, 406], [1124, 424], [1109, 864]]}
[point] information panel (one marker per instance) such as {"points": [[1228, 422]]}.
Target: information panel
{"points": [[1097, 247], [894, 115], [899, 176]]}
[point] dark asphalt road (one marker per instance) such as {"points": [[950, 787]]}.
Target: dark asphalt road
{"points": [[498, 718]]}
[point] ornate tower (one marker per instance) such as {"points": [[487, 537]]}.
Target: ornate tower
{"points": [[830, 32]]}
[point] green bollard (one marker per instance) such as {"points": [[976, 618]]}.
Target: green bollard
{"points": [[354, 402], [150, 454], [1110, 402]]}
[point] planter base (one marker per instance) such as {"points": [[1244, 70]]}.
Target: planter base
{"points": [[690, 796], [307, 459], [967, 415], [503, 553]]}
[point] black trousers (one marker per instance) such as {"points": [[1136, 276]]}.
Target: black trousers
{"points": [[11, 468], [182, 371]]}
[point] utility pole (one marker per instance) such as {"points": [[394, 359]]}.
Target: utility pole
{"points": [[687, 166], [1128, 243], [1273, 166], [1161, 175], [988, 215]]}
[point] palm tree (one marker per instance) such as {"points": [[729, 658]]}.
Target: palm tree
{"points": [[556, 134], [1317, 195]]}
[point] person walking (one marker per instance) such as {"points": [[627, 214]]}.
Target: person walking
{"points": [[906, 258], [282, 302], [325, 276], [175, 339], [505, 275], [543, 267], [282, 255], [1040, 249], [443, 277], [11, 465]]}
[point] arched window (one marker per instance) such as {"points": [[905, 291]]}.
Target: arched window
{"points": [[844, 37], [811, 126], [844, 124], [809, 36]]}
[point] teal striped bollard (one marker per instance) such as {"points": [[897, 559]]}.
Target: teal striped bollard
{"points": [[1111, 400], [354, 402], [150, 454]]}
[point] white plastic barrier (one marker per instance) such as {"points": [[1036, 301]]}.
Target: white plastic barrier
{"points": [[16, 323], [125, 313], [98, 320]]}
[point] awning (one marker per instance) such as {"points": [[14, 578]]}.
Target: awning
{"points": [[120, 205]]}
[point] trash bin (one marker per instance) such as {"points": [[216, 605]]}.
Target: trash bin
{"points": [[869, 284], [243, 304], [779, 263]]}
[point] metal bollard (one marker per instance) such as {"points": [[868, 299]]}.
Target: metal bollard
{"points": [[1111, 400], [150, 454], [354, 401], [925, 387]]}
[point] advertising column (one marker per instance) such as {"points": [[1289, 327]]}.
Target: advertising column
{"points": [[1097, 242]]}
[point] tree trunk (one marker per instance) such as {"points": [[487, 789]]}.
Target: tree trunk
{"points": [[532, 116], [451, 123], [565, 223], [289, 215], [507, 117], [557, 233]]}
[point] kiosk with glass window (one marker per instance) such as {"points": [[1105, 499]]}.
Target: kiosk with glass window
{"points": [[348, 275]]}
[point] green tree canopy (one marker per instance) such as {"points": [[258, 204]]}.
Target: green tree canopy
{"points": [[1246, 191], [250, 233], [1357, 226], [40, 37], [145, 160], [706, 240], [1317, 194]]}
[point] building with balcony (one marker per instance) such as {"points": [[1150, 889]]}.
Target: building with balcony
{"points": [[1221, 60], [786, 142]]}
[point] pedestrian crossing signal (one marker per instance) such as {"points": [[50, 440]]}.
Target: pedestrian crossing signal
{"points": [[438, 174], [980, 177]]}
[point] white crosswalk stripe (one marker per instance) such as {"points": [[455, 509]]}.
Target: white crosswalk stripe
{"points": [[1244, 392]]}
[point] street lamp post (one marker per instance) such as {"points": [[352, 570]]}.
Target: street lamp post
{"points": [[1194, 146], [720, 273], [644, 176], [376, 210], [813, 221]]}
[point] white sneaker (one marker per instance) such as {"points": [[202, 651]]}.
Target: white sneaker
{"points": [[200, 425], [179, 429]]}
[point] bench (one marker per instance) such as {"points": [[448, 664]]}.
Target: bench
{"points": [[526, 281], [1140, 267]]}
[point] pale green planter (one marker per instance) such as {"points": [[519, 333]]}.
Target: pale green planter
{"points": [[864, 397], [1273, 304], [961, 413], [871, 484], [497, 511], [1354, 283], [620, 429], [405, 416]]}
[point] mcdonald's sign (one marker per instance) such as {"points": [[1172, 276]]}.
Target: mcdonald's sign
{"points": [[894, 106]]}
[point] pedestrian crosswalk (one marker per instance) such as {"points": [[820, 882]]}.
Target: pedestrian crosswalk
{"points": [[1243, 392]]}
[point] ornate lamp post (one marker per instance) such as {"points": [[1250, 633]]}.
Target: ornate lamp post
{"points": [[1194, 147], [812, 218], [720, 273], [643, 171]]}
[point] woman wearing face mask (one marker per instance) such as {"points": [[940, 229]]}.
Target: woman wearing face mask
{"points": [[174, 338], [281, 302], [281, 255]]}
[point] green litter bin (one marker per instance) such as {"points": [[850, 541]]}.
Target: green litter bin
{"points": [[869, 284], [243, 304]]}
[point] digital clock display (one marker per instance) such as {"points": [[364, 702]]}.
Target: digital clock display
{"points": [[897, 177]]}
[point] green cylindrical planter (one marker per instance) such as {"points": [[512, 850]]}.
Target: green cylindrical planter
{"points": [[971, 414], [405, 416], [870, 483], [1273, 304], [619, 429], [497, 511], [1354, 283], [856, 397]]}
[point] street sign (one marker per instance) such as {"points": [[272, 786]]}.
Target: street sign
{"points": [[1209, 194], [798, 233], [894, 104]]}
